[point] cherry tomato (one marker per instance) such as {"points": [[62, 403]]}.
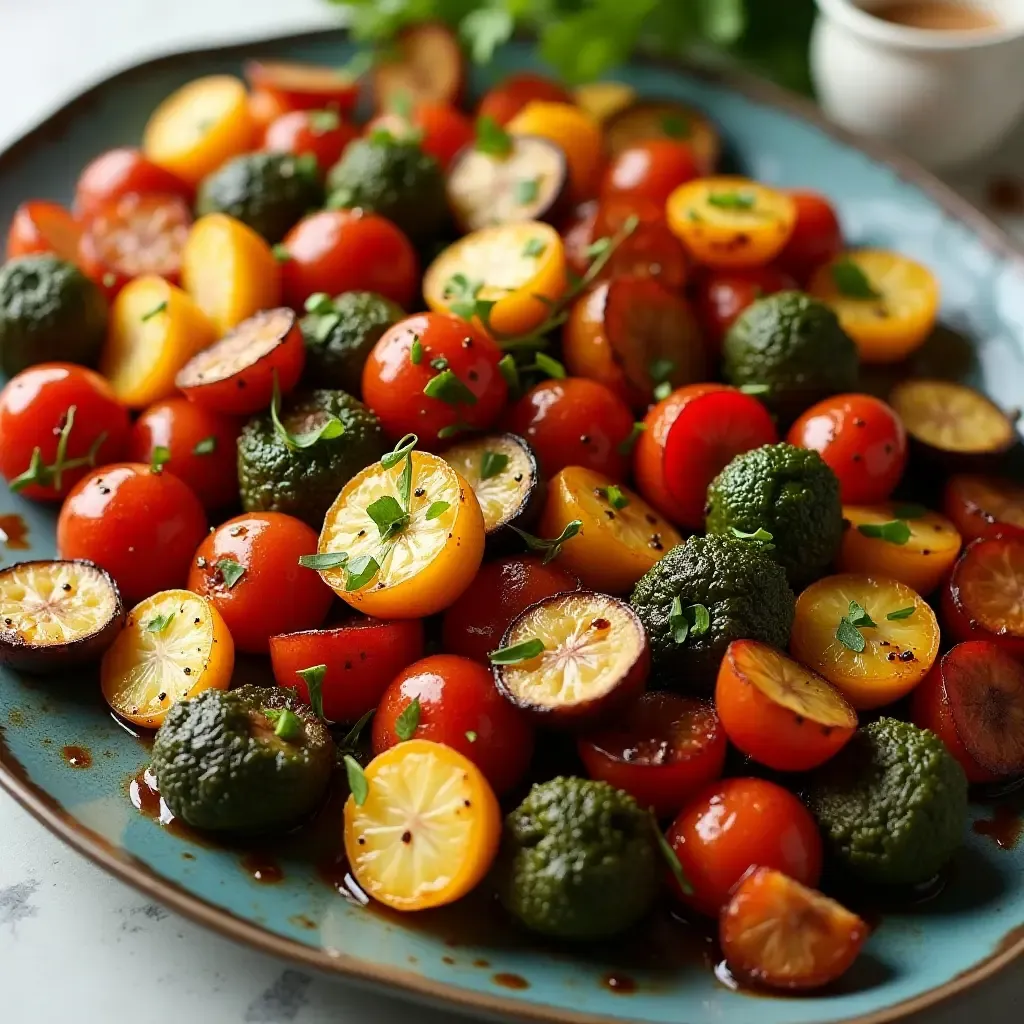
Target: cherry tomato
{"points": [[663, 750], [35, 409], [361, 656], [510, 95], [575, 422], [460, 707], [441, 129], [651, 170], [455, 381], [119, 172], [142, 526], [474, 625], [135, 235], [721, 295], [304, 86], [816, 238], [201, 445], [320, 133], [984, 506], [733, 825], [861, 439], [248, 569], [40, 226], [338, 251]]}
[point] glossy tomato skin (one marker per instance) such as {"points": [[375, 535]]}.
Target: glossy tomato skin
{"points": [[320, 133], [721, 295], [442, 129], [663, 749], [119, 172], [362, 656], [817, 236], [142, 527], [509, 96], [861, 439], [33, 408], [393, 385], [336, 251], [575, 422], [460, 707], [180, 426], [474, 625], [274, 594], [651, 170], [734, 824], [40, 226]]}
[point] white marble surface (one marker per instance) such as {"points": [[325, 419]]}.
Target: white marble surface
{"points": [[75, 944]]}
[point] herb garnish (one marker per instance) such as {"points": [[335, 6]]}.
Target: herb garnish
{"points": [[416, 351], [534, 247], [509, 370], [155, 311], [207, 446], [851, 281], [670, 857], [895, 532], [330, 428], [356, 780], [159, 458], [614, 496], [553, 547], [437, 509], [848, 633], [625, 447], [313, 677], [287, 724], [325, 560], [527, 191], [359, 571], [281, 253], [524, 651], [901, 613], [230, 571], [471, 736], [675, 126], [449, 388], [755, 389], [693, 620], [760, 536], [408, 721], [322, 121], [492, 464], [388, 515], [491, 138], [159, 623], [732, 200], [53, 474]]}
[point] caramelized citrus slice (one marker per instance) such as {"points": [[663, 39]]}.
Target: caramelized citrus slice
{"points": [[985, 597], [425, 62], [985, 506]]}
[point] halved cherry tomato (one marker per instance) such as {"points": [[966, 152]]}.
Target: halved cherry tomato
{"points": [[229, 270], [817, 237], [119, 172], [36, 413], [199, 127], [861, 439], [985, 506], [575, 422], [781, 934], [632, 334], [338, 251], [248, 568], [731, 222], [664, 119], [320, 133], [40, 226], [454, 384], [360, 656], [237, 375], [498, 265], [650, 170], [708, 432], [460, 707], [142, 526], [778, 712], [663, 749], [889, 311], [735, 824], [200, 445], [442, 130], [721, 295], [135, 235], [504, 100], [304, 86], [424, 62], [474, 625], [621, 536], [983, 598]]}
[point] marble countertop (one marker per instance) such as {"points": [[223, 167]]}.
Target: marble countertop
{"points": [[76, 944]]}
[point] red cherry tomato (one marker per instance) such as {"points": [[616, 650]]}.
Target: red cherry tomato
{"points": [[361, 657], [201, 445], [338, 251], [662, 751], [735, 824], [135, 235], [474, 625], [461, 708], [575, 422], [861, 439], [142, 526], [40, 226], [454, 383], [320, 133], [248, 568], [650, 169], [304, 86], [721, 295], [816, 238], [510, 95], [119, 172], [441, 129], [35, 406]]}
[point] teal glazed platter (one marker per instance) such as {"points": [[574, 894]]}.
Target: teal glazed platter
{"points": [[65, 759]]}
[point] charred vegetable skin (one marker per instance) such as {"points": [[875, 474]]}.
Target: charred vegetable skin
{"points": [[225, 763]]}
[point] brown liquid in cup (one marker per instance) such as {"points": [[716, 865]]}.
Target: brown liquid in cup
{"points": [[942, 16]]}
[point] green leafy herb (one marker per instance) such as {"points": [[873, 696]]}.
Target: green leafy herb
{"points": [[670, 857], [159, 623], [322, 121], [463, 298], [485, 29], [598, 247], [159, 458], [755, 389], [287, 724], [675, 126], [517, 653], [858, 615], [109, 280], [662, 390], [281, 253], [319, 304], [356, 780], [327, 560], [492, 464], [509, 370], [534, 247], [155, 311], [439, 364], [328, 429], [908, 510], [230, 571], [360, 571], [53, 475], [350, 741], [388, 515], [325, 325], [693, 620], [491, 138], [449, 388], [436, 509], [732, 200], [553, 547], [400, 103], [901, 613], [850, 636], [895, 532], [527, 190], [626, 447], [760, 536], [851, 281], [401, 450], [207, 446], [471, 736], [660, 370], [313, 677], [416, 351], [408, 721], [614, 496], [549, 365]]}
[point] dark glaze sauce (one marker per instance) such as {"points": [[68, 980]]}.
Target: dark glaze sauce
{"points": [[1005, 826], [77, 757], [513, 981], [14, 532], [620, 984]]}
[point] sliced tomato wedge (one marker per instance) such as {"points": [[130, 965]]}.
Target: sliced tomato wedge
{"points": [[304, 86], [41, 226], [709, 432]]}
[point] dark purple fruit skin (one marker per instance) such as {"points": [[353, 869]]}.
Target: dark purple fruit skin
{"points": [[43, 660], [586, 714]]}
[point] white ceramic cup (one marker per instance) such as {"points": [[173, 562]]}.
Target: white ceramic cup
{"points": [[944, 97]]}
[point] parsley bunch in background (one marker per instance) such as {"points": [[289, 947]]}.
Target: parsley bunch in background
{"points": [[582, 39]]}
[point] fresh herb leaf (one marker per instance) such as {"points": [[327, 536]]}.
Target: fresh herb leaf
{"points": [[351, 739], [850, 636], [109, 279], [701, 619], [159, 458], [416, 351], [598, 247], [159, 623], [360, 571], [626, 446], [553, 547], [453, 430], [388, 515], [670, 857], [527, 190], [326, 560], [693, 620], [660, 369], [356, 780], [319, 304], [755, 389], [281, 253], [895, 532], [491, 138], [439, 364], [732, 200], [155, 311], [287, 724], [463, 298], [858, 615], [485, 29], [524, 651], [405, 482], [492, 464], [534, 247], [53, 474], [675, 126], [325, 325], [313, 677], [471, 736], [614, 496], [901, 613], [230, 571], [322, 121], [908, 510], [547, 364], [328, 429], [509, 370], [447, 387], [408, 721], [207, 446], [851, 282], [760, 536], [662, 391], [400, 103], [400, 451], [436, 509]]}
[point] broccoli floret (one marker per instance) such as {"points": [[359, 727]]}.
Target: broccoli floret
{"points": [[580, 860], [892, 804]]}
